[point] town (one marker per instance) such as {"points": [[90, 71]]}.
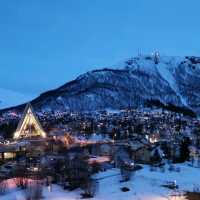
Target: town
{"points": [[68, 149]]}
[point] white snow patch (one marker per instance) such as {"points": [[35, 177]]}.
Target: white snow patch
{"points": [[167, 75], [112, 111], [145, 185]]}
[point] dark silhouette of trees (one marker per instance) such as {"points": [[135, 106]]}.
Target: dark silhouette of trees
{"points": [[78, 175], [156, 158], [184, 149], [3, 186]]}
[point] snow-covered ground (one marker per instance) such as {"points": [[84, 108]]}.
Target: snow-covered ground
{"points": [[145, 185]]}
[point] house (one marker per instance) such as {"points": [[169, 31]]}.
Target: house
{"points": [[63, 136], [121, 154], [106, 149], [7, 152], [140, 151]]}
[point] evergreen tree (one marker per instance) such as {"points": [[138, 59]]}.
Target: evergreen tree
{"points": [[184, 150], [156, 158]]}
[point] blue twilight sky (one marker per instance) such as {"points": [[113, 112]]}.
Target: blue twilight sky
{"points": [[45, 43]]}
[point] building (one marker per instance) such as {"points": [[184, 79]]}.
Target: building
{"points": [[7, 152], [29, 126]]}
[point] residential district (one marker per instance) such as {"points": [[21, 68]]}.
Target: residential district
{"points": [[69, 150]]}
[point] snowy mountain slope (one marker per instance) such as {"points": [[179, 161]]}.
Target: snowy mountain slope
{"points": [[167, 74], [10, 98], [133, 82]]}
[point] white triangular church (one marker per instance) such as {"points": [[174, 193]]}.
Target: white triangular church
{"points": [[29, 126]]}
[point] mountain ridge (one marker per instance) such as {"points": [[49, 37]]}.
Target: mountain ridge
{"points": [[9, 98], [133, 82]]}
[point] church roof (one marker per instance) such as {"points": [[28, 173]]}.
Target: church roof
{"points": [[29, 125]]}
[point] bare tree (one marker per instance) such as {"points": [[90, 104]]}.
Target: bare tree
{"points": [[20, 175], [21, 182], [90, 188], [34, 190], [125, 173], [3, 187]]}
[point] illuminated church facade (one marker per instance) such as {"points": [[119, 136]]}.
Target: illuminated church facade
{"points": [[29, 126]]}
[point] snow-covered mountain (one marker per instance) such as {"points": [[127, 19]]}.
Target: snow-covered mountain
{"points": [[136, 82], [10, 98]]}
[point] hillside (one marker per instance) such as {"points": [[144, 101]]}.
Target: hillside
{"points": [[135, 82], [10, 98]]}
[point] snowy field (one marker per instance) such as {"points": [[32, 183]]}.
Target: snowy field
{"points": [[144, 185]]}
